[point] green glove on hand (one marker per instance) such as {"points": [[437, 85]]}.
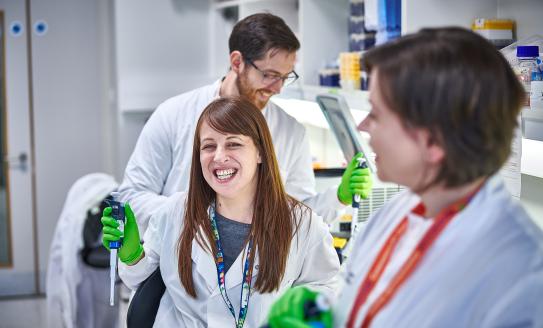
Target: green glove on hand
{"points": [[354, 181], [288, 311], [131, 249]]}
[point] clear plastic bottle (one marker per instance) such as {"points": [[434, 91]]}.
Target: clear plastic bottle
{"points": [[527, 68]]}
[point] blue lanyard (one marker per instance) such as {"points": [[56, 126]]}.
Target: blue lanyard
{"points": [[247, 274]]}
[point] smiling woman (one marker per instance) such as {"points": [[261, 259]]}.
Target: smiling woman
{"points": [[229, 163], [236, 158], [236, 232]]}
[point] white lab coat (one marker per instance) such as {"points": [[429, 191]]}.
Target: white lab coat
{"points": [[70, 283], [312, 261], [484, 270], [160, 163]]}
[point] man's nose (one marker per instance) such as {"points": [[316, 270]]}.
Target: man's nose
{"points": [[276, 86]]}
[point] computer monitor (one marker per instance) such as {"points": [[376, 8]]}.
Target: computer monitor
{"points": [[341, 121]]}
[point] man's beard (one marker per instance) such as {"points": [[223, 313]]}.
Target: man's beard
{"points": [[246, 91]]}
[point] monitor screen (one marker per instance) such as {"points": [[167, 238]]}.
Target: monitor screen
{"points": [[342, 123]]}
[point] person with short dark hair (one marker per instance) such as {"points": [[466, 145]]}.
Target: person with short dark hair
{"points": [[236, 240], [455, 249], [262, 57]]}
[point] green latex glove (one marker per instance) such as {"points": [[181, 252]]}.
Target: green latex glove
{"points": [[131, 249], [354, 181], [288, 311]]}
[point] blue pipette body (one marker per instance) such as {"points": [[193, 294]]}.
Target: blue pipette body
{"points": [[117, 212]]}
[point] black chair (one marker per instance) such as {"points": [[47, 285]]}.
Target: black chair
{"points": [[144, 305], [93, 253]]}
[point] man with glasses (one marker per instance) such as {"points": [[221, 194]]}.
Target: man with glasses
{"points": [[262, 56]]}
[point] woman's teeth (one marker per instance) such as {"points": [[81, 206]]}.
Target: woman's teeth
{"points": [[225, 174]]}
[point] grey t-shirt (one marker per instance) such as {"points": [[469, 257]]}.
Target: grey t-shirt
{"points": [[233, 235]]}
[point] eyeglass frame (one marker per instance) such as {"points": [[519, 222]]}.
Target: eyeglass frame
{"points": [[276, 77]]}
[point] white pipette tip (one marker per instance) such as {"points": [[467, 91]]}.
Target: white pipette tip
{"points": [[112, 275]]}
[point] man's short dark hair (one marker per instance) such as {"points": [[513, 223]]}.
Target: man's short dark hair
{"points": [[454, 83], [256, 34]]}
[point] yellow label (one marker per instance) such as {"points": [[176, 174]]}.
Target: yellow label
{"points": [[492, 24], [339, 242]]}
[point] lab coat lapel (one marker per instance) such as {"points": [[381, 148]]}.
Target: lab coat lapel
{"points": [[234, 276], [205, 265]]}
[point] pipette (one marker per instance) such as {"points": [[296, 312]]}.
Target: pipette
{"points": [[312, 311], [117, 212], [362, 164]]}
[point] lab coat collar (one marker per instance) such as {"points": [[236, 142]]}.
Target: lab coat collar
{"points": [[266, 109], [217, 86]]}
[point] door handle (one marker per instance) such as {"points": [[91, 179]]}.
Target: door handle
{"points": [[17, 162]]}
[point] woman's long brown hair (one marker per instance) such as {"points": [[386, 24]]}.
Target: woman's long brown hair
{"points": [[276, 215]]}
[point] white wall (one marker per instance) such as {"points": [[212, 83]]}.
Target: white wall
{"points": [[417, 14], [527, 14], [161, 49], [69, 83]]}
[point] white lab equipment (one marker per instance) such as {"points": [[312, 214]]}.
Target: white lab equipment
{"points": [[341, 121], [75, 291]]}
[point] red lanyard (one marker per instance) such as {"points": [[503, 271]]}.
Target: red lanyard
{"points": [[380, 263]]}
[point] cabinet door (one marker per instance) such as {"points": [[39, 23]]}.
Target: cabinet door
{"points": [[17, 260]]}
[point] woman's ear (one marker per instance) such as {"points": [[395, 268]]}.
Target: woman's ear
{"points": [[435, 154], [236, 61], [430, 148], [434, 151]]}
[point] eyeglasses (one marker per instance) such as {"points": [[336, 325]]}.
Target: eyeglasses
{"points": [[269, 78]]}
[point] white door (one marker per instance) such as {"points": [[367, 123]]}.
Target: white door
{"points": [[17, 248]]}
